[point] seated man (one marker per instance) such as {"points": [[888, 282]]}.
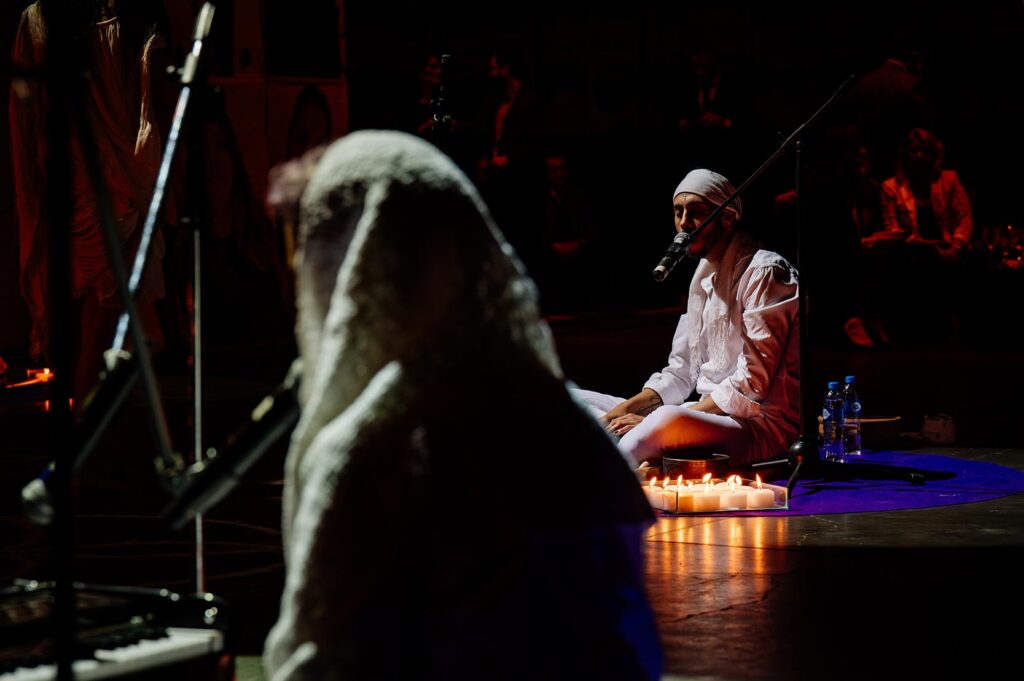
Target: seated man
{"points": [[737, 346], [421, 539]]}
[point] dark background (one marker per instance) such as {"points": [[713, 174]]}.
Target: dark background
{"points": [[606, 75]]}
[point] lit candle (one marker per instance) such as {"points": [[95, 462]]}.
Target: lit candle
{"points": [[706, 499], [735, 496], [759, 497], [670, 495], [653, 493], [685, 498], [724, 485]]}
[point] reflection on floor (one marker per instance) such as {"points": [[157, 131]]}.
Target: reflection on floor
{"points": [[912, 593]]}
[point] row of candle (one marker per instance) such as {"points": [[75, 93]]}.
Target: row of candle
{"points": [[731, 494]]}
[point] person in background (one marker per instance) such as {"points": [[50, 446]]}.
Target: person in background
{"points": [[420, 542], [736, 349], [568, 238], [710, 114], [924, 203], [122, 45], [842, 205], [510, 172], [927, 229]]}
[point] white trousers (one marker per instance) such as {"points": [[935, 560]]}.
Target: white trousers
{"points": [[676, 427]]}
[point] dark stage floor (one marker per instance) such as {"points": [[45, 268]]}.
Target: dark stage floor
{"points": [[926, 593]]}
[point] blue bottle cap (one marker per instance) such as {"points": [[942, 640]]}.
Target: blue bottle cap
{"points": [[851, 379], [833, 385]]}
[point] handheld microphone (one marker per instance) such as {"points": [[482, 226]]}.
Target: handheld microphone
{"points": [[673, 254], [207, 482]]}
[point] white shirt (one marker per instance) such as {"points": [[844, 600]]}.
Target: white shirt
{"points": [[756, 375]]}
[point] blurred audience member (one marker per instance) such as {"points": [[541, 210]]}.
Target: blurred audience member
{"points": [[888, 102], [568, 233], [428, 80], [310, 124], [511, 171], [926, 227], [120, 46], [842, 206], [709, 114], [925, 203]]}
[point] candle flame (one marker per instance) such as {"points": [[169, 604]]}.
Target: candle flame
{"points": [[653, 480], [679, 481], [706, 478], [758, 476]]}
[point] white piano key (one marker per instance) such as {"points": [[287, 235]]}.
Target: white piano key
{"points": [[180, 644]]}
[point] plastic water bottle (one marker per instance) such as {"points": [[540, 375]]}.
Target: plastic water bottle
{"points": [[832, 424], [851, 417]]}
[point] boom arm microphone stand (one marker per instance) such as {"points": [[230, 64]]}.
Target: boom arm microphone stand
{"points": [[804, 451], [70, 445], [122, 368], [441, 119], [193, 88]]}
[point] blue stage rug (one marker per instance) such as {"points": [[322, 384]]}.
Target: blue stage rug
{"points": [[882, 484]]}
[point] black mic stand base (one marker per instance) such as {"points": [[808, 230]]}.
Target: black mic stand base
{"points": [[803, 454]]}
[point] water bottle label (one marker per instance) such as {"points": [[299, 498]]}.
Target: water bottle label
{"points": [[825, 413], [855, 407]]}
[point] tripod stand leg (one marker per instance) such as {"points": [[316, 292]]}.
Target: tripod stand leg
{"points": [[794, 476]]}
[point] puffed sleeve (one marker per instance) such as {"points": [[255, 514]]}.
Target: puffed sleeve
{"points": [[768, 294]]}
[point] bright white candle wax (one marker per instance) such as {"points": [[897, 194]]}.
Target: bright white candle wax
{"points": [[669, 495], [734, 498], [653, 493], [686, 500], [760, 497], [707, 499]]}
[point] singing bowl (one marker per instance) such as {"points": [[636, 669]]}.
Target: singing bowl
{"points": [[674, 464]]}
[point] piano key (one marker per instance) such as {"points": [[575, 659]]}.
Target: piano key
{"points": [[180, 644]]}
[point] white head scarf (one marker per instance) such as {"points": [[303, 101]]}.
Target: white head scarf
{"points": [[399, 260], [421, 347], [711, 186]]}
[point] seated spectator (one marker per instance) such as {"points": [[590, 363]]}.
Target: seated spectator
{"points": [[924, 203], [926, 230], [842, 205], [568, 235]]}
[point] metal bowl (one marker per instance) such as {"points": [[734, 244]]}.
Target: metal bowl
{"points": [[674, 464]]}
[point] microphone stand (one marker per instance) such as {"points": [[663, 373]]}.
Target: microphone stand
{"points": [[194, 88], [208, 481], [58, 83], [803, 454], [661, 273], [122, 368], [441, 119]]}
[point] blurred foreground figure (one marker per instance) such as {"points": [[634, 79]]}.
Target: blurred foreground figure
{"points": [[425, 534]]}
